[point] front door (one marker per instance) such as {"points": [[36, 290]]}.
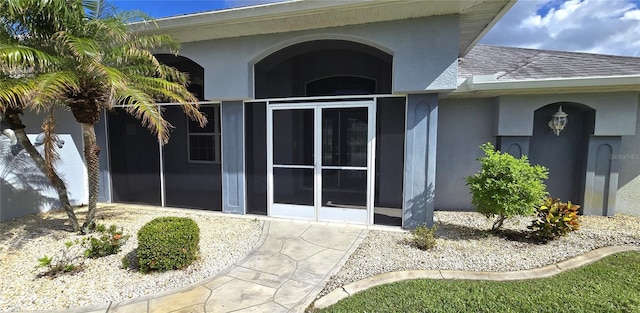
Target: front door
{"points": [[319, 161]]}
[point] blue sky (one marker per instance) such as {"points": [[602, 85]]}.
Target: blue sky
{"points": [[596, 26]]}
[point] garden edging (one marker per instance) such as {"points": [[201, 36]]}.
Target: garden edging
{"points": [[541, 272]]}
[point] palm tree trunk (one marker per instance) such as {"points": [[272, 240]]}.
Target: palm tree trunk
{"points": [[56, 181], [91, 151]]}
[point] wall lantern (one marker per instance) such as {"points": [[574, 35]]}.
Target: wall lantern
{"points": [[558, 121], [8, 131], [11, 135], [40, 141]]}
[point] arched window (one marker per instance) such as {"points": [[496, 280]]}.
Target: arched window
{"points": [[341, 85], [324, 68]]}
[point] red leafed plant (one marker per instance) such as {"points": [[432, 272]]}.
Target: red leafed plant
{"points": [[555, 219]]}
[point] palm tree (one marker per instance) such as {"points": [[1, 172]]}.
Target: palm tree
{"points": [[90, 61], [12, 115], [25, 67]]}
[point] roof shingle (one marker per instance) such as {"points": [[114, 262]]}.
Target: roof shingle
{"points": [[519, 64]]}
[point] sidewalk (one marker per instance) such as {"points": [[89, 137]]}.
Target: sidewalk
{"points": [[284, 274]]}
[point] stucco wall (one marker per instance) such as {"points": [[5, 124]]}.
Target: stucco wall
{"points": [[24, 189], [463, 125], [628, 200], [615, 112], [425, 54]]}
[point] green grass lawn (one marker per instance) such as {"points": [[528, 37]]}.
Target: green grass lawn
{"points": [[610, 285]]}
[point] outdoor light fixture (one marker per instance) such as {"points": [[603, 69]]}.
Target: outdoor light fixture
{"points": [[8, 132], [40, 141], [11, 135], [558, 121]]}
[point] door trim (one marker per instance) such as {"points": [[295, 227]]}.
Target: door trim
{"points": [[323, 213]]}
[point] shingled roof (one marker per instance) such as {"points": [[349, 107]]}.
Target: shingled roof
{"points": [[525, 64]]}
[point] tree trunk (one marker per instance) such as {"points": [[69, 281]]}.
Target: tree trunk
{"points": [[91, 152], [498, 223], [56, 181]]}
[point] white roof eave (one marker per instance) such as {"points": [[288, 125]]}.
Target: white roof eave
{"points": [[484, 83], [477, 17]]}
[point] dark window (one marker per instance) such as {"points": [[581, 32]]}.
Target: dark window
{"points": [[341, 85], [204, 142]]}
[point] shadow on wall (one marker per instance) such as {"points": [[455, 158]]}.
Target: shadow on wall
{"points": [[417, 210], [23, 187], [629, 158]]}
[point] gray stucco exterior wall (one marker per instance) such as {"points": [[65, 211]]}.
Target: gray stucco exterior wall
{"points": [[615, 112], [463, 125], [514, 145], [233, 179], [420, 160], [424, 54], [628, 196], [601, 182], [102, 142]]}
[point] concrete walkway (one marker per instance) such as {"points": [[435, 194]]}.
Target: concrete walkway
{"points": [[284, 274]]}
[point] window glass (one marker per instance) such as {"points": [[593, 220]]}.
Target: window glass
{"points": [[204, 142]]}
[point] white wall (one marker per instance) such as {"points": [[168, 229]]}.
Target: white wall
{"points": [[24, 189]]}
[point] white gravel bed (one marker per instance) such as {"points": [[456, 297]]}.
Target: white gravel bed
{"points": [[223, 241], [463, 243]]}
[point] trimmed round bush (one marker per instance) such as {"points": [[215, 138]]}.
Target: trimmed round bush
{"points": [[168, 243]]}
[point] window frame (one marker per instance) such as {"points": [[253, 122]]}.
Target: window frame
{"points": [[216, 136]]}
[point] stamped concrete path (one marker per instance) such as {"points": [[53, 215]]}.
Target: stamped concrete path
{"points": [[284, 274]]}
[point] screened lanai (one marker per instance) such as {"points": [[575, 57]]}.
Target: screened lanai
{"points": [[183, 173]]}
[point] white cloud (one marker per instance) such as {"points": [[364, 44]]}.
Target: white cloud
{"points": [[631, 15], [598, 26]]}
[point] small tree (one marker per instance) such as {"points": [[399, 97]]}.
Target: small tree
{"points": [[506, 186]]}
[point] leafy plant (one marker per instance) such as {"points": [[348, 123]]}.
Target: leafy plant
{"points": [[555, 219], [44, 261], [64, 264], [167, 243], [110, 242], [125, 262], [423, 237], [506, 186]]}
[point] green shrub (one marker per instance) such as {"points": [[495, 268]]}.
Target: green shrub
{"points": [[167, 243], [423, 237], [555, 219], [506, 186], [65, 263], [110, 242]]}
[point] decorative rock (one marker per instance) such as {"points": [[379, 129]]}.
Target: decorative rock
{"points": [[223, 241], [463, 243]]}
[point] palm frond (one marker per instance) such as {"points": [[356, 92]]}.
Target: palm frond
{"points": [[49, 87], [153, 42], [131, 16], [130, 54], [83, 49], [15, 91], [139, 104], [20, 58], [98, 9]]}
